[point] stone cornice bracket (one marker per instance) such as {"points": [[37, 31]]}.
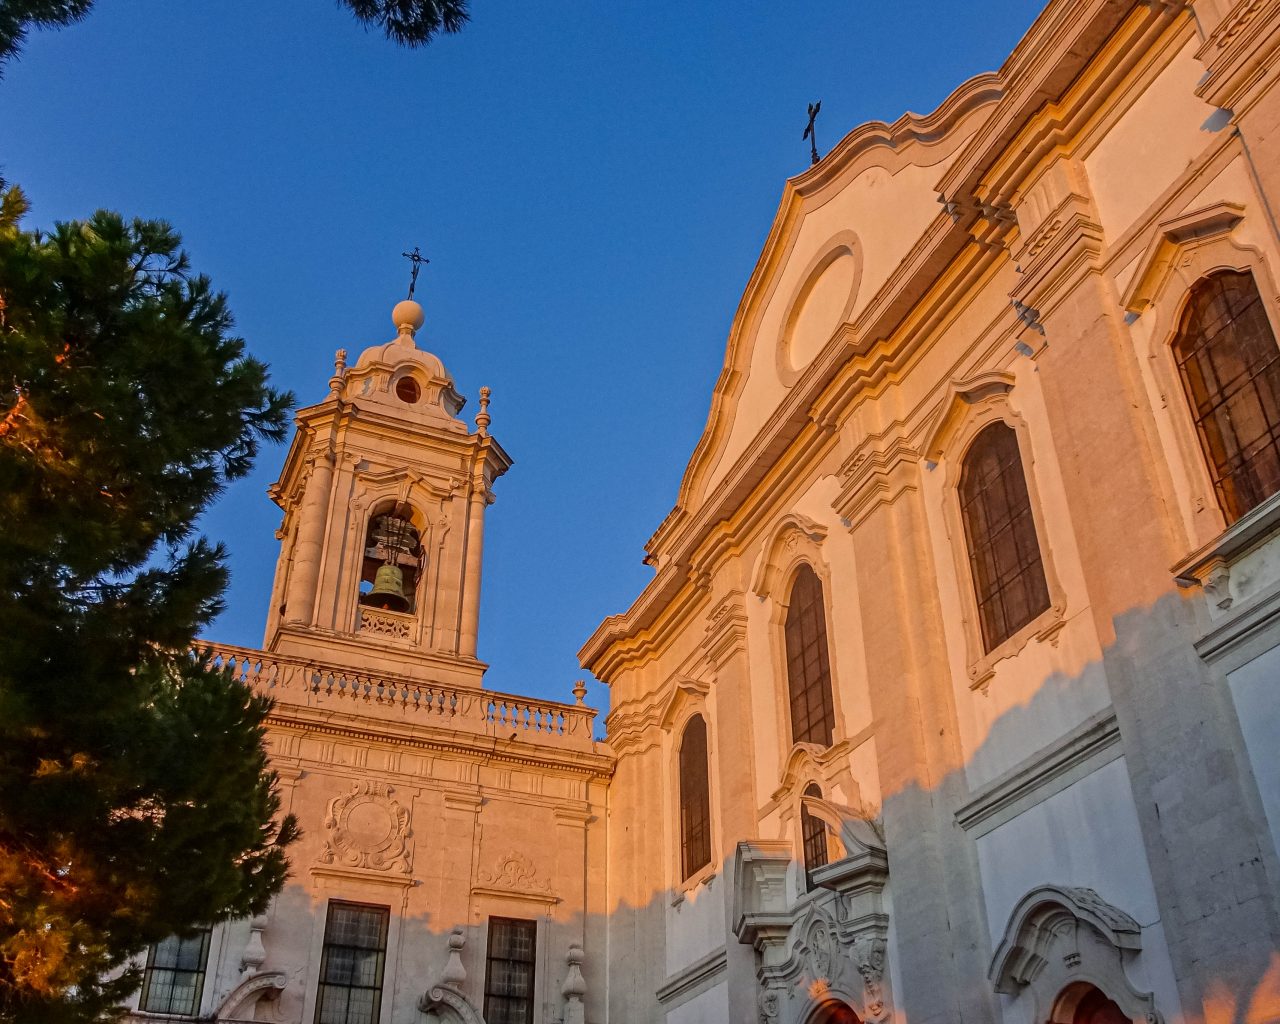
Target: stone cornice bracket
{"points": [[871, 478], [726, 630], [760, 913], [1239, 55], [1170, 239], [1057, 935]]}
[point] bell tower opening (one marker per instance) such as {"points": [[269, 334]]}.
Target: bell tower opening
{"points": [[392, 564]]}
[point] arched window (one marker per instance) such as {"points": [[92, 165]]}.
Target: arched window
{"points": [[1230, 366], [695, 798], [392, 561], [808, 663], [813, 837], [1004, 553]]}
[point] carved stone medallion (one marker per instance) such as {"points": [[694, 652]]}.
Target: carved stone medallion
{"points": [[368, 829]]}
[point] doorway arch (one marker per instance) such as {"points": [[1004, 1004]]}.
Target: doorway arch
{"points": [[1084, 1003], [834, 1012]]}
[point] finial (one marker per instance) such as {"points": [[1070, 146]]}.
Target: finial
{"points": [[810, 133], [418, 261], [408, 317], [483, 419], [580, 691], [339, 371]]}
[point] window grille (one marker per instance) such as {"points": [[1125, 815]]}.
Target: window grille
{"points": [[1004, 553], [695, 798], [174, 977], [510, 971], [1230, 365], [352, 963], [813, 834], [808, 662]]}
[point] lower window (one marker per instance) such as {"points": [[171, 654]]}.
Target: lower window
{"points": [[351, 966], [509, 974], [174, 977]]}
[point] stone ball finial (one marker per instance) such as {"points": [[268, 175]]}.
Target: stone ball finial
{"points": [[408, 316]]}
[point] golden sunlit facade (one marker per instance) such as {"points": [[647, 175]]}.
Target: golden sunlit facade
{"points": [[953, 697]]}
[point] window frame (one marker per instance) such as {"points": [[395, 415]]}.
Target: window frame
{"points": [[953, 446], [1219, 482], [829, 700], [325, 944], [812, 830], [976, 546], [151, 970], [532, 923], [687, 870]]}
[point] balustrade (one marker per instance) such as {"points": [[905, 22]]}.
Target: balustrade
{"points": [[469, 709]]}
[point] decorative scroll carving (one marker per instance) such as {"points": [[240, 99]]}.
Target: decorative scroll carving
{"points": [[516, 873], [387, 624], [769, 1008], [368, 829], [819, 942]]}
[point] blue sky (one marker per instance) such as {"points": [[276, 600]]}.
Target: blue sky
{"points": [[592, 182]]}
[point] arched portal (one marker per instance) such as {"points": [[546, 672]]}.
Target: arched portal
{"points": [[835, 1013], [1087, 1004]]}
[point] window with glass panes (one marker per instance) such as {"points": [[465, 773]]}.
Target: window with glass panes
{"points": [[1004, 552], [1230, 366], [351, 966], [813, 835], [808, 663], [174, 976], [509, 973], [695, 798]]}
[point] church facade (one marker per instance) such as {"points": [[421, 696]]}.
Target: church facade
{"points": [[955, 694]]}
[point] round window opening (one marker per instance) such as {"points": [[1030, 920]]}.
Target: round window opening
{"points": [[407, 390]]}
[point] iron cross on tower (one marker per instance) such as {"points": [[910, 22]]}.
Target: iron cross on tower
{"points": [[417, 259], [811, 132]]}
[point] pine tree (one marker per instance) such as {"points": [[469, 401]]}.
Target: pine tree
{"points": [[135, 796], [410, 23]]}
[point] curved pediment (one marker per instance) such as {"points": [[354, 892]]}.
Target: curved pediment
{"points": [[841, 230]]}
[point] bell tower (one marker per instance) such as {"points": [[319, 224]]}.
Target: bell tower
{"points": [[384, 492]]}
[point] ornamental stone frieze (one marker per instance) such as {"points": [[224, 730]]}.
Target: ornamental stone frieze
{"points": [[515, 875], [366, 828]]}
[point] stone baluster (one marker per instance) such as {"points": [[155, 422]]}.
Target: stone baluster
{"points": [[574, 987]]}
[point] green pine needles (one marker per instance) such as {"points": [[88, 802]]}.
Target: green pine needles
{"points": [[136, 800]]}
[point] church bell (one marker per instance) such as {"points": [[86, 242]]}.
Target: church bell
{"points": [[388, 590]]}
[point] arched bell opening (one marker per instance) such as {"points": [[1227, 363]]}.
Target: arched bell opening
{"points": [[1083, 1003], [392, 562]]}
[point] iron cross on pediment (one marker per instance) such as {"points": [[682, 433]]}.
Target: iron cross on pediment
{"points": [[811, 131]]}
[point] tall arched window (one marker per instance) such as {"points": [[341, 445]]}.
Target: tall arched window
{"points": [[813, 837], [808, 663], [1230, 366], [695, 798], [1004, 553]]}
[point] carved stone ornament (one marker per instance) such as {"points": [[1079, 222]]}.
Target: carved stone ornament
{"points": [[769, 1006], [819, 942], [367, 829], [868, 954], [516, 873]]}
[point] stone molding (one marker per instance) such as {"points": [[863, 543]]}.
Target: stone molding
{"points": [[695, 978], [1061, 939], [257, 986], [1081, 752]]}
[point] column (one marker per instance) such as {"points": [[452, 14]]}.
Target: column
{"points": [[470, 626], [307, 553]]}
